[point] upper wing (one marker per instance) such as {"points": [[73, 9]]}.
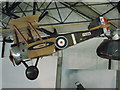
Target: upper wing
{"points": [[23, 22]]}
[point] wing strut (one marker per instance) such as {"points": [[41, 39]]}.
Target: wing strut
{"points": [[20, 34], [35, 30]]}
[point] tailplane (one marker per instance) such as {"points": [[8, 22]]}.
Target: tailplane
{"points": [[100, 23]]}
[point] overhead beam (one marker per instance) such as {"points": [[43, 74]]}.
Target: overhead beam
{"points": [[8, 22], [68, 16], [100, 14], [7, 4], [34, 7], [108, 10], [22, 11], [58, 11], [7, 10], [90, 8], [75, 4], [74, 9], [60, 7], [46, 10], [41, 5], [118, 6], [42, 16], [10, 14], [3, 24], [13, 6], [76, 22]]}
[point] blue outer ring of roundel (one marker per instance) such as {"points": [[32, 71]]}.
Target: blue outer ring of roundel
{"points": [[63, 38]]}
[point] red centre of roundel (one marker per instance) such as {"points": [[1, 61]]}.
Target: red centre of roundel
{"points": [[61, 42]]}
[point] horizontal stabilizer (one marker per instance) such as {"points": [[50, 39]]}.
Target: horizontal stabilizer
{"points": [[99, 23]]}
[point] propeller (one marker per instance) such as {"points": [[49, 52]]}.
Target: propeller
{"points": [[8, 40], [11, 58]]}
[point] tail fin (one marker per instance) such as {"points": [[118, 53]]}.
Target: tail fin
{"points": [[99, 22]]}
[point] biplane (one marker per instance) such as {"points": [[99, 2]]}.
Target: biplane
{"points": [[29, 44]]}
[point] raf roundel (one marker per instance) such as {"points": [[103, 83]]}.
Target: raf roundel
{"points": [[61, 42]]}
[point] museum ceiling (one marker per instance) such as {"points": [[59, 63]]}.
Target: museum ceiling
{"points": [[61, 14]]}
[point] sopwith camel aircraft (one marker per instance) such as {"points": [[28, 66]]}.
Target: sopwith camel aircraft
{"points": [[28, 43]]}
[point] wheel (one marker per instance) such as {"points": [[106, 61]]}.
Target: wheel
{"points": [[32, 72]]}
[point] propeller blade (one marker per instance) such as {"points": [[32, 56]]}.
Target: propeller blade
{"points": [[11, 58], [8, 40]]}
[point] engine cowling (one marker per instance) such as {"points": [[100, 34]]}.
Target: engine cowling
{"points": [[19, 52]]}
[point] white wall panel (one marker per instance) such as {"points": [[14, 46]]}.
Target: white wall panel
{"points": [[89, 78], [81, 63], [84, 56]]}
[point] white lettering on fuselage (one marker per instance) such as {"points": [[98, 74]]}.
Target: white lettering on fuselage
{"points": [[86, 34]]}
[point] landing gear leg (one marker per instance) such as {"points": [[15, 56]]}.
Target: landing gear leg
{"points": [[31, 71]]}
